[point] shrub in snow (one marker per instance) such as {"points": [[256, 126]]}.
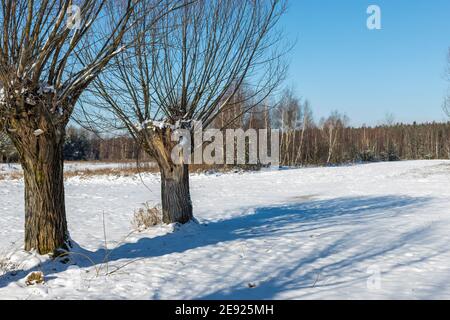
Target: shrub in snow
{"points": [[147, 217], [389, 156], [367, 156], [33, 278]]}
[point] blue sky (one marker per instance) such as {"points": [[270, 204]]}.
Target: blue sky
{"points": [[339, 64]]}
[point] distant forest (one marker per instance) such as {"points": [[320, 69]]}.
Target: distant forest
{"points": [[304, 141], [328, 142]]}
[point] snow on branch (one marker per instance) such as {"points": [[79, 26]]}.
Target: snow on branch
{"points": [[45, 88], [164, 124]]}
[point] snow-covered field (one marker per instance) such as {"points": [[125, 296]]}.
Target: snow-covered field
{"points": [[354, 232]]}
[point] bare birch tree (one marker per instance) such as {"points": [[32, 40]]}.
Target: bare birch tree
{"points": [[447, 98], [288, 117], [332, 128], [306, 123], [187, 68]]}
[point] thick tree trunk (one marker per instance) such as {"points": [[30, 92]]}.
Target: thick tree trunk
{"points": [[175, 194], [45, 215]]}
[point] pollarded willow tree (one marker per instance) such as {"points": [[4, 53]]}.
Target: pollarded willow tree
{"points": [[50, 51], [189, 67]]}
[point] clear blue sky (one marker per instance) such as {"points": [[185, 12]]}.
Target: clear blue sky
{"points": [[339, 64]]}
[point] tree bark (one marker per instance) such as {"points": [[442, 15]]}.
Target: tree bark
{"points": [[41, 156], [175, 194]]}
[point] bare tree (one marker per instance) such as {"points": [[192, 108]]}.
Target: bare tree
{"points": [[447, 98], [42, 77], [287, 117], [307, 121], [331, 128], [189, 67]]}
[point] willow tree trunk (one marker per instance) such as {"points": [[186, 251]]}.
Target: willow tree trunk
{"points": [[41, 156], [175, 194]]}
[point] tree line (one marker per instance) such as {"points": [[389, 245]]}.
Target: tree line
{"points": [[327, 141], [331, 140]]}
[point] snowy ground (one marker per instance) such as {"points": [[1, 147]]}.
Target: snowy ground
{"points": [[368, 231]]}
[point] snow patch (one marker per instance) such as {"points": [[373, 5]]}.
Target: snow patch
{"points": [[165, 124], [45, 88], [38, 132]]}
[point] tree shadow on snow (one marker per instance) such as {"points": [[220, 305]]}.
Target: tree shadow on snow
{"points": [[288, 219]]}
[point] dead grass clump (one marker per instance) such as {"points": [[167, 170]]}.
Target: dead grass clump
{"points": [[147, 217], [118, 172], [33, 278], [11, 176]]}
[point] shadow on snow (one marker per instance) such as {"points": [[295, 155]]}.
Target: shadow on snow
{"points": [[288, 219]]}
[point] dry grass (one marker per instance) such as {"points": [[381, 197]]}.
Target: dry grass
{"points": [[202, 168], [33, 278], [117, 172], [11, 176], [146, 217], [127, 169]]}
